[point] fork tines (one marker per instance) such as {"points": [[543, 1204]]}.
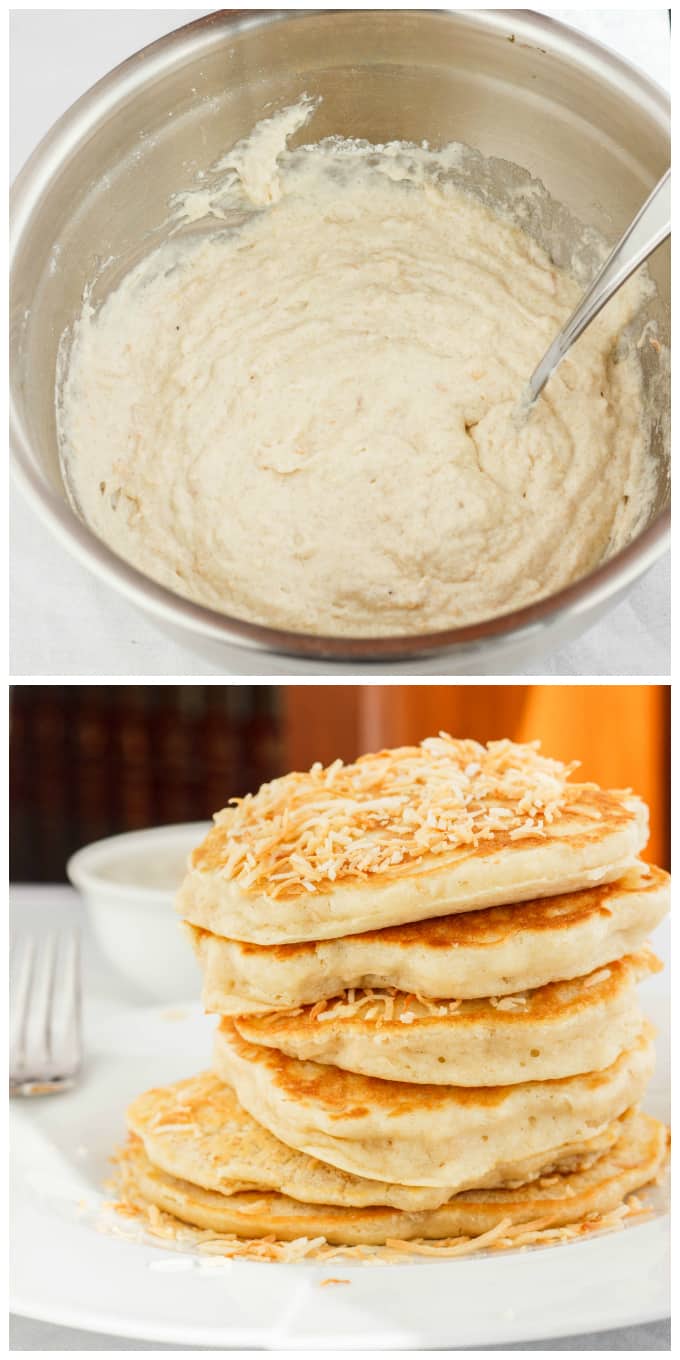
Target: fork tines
{"points": [[45, 1031]]}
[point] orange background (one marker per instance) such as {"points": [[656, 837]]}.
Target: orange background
{"points": [[620, 733]]}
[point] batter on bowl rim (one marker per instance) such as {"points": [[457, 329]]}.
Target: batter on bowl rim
{"points": [[307, 417]]}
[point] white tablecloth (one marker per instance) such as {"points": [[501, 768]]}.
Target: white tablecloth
{"points": [[28, 1335], [64, 622]]}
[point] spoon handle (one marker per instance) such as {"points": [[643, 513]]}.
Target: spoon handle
{"points": [[651, 226]]}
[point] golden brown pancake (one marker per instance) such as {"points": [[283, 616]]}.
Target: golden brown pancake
{"points": [[494, 952], [423, 1135], [635, 1160], [554, 1031], [406, 835], [196, 1130]]}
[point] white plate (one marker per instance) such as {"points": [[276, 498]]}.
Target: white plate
{"points": [[65, 1271]]}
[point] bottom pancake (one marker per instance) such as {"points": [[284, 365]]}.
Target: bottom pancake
{"points": [[552, 1201]]}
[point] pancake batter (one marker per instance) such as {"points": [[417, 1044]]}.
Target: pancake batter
{"points": [[307, 419]]}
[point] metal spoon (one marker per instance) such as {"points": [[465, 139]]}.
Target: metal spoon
{"points": [[651, 226]]}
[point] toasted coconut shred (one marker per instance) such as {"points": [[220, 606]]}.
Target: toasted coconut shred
{"points": [[383, 814], [382, 1004], [159, 1228]]}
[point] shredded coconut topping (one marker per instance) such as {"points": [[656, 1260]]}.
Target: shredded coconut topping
{"points": [[386, 813], [382, 1004]]}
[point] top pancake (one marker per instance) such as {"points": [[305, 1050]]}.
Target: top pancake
{"points": [[406, 835], [473, 954]]}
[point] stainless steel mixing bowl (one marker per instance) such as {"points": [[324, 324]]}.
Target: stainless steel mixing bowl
{"points": [[511, 83]]}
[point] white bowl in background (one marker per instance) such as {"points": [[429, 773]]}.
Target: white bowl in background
{"points": [[129, 883]]}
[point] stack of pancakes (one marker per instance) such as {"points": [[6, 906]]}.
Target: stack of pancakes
{"points": [[426, 968]]}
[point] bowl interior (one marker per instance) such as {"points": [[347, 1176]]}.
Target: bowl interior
{"points": [[507, 83], [145, 865]]}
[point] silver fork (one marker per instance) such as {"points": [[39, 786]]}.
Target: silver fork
{"points": [[45, 1028]]}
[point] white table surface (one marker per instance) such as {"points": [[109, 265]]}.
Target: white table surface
{"points": [[36, 909], [65, 622]]}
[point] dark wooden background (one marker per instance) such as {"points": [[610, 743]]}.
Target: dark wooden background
{"points": [[87, 761]]}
